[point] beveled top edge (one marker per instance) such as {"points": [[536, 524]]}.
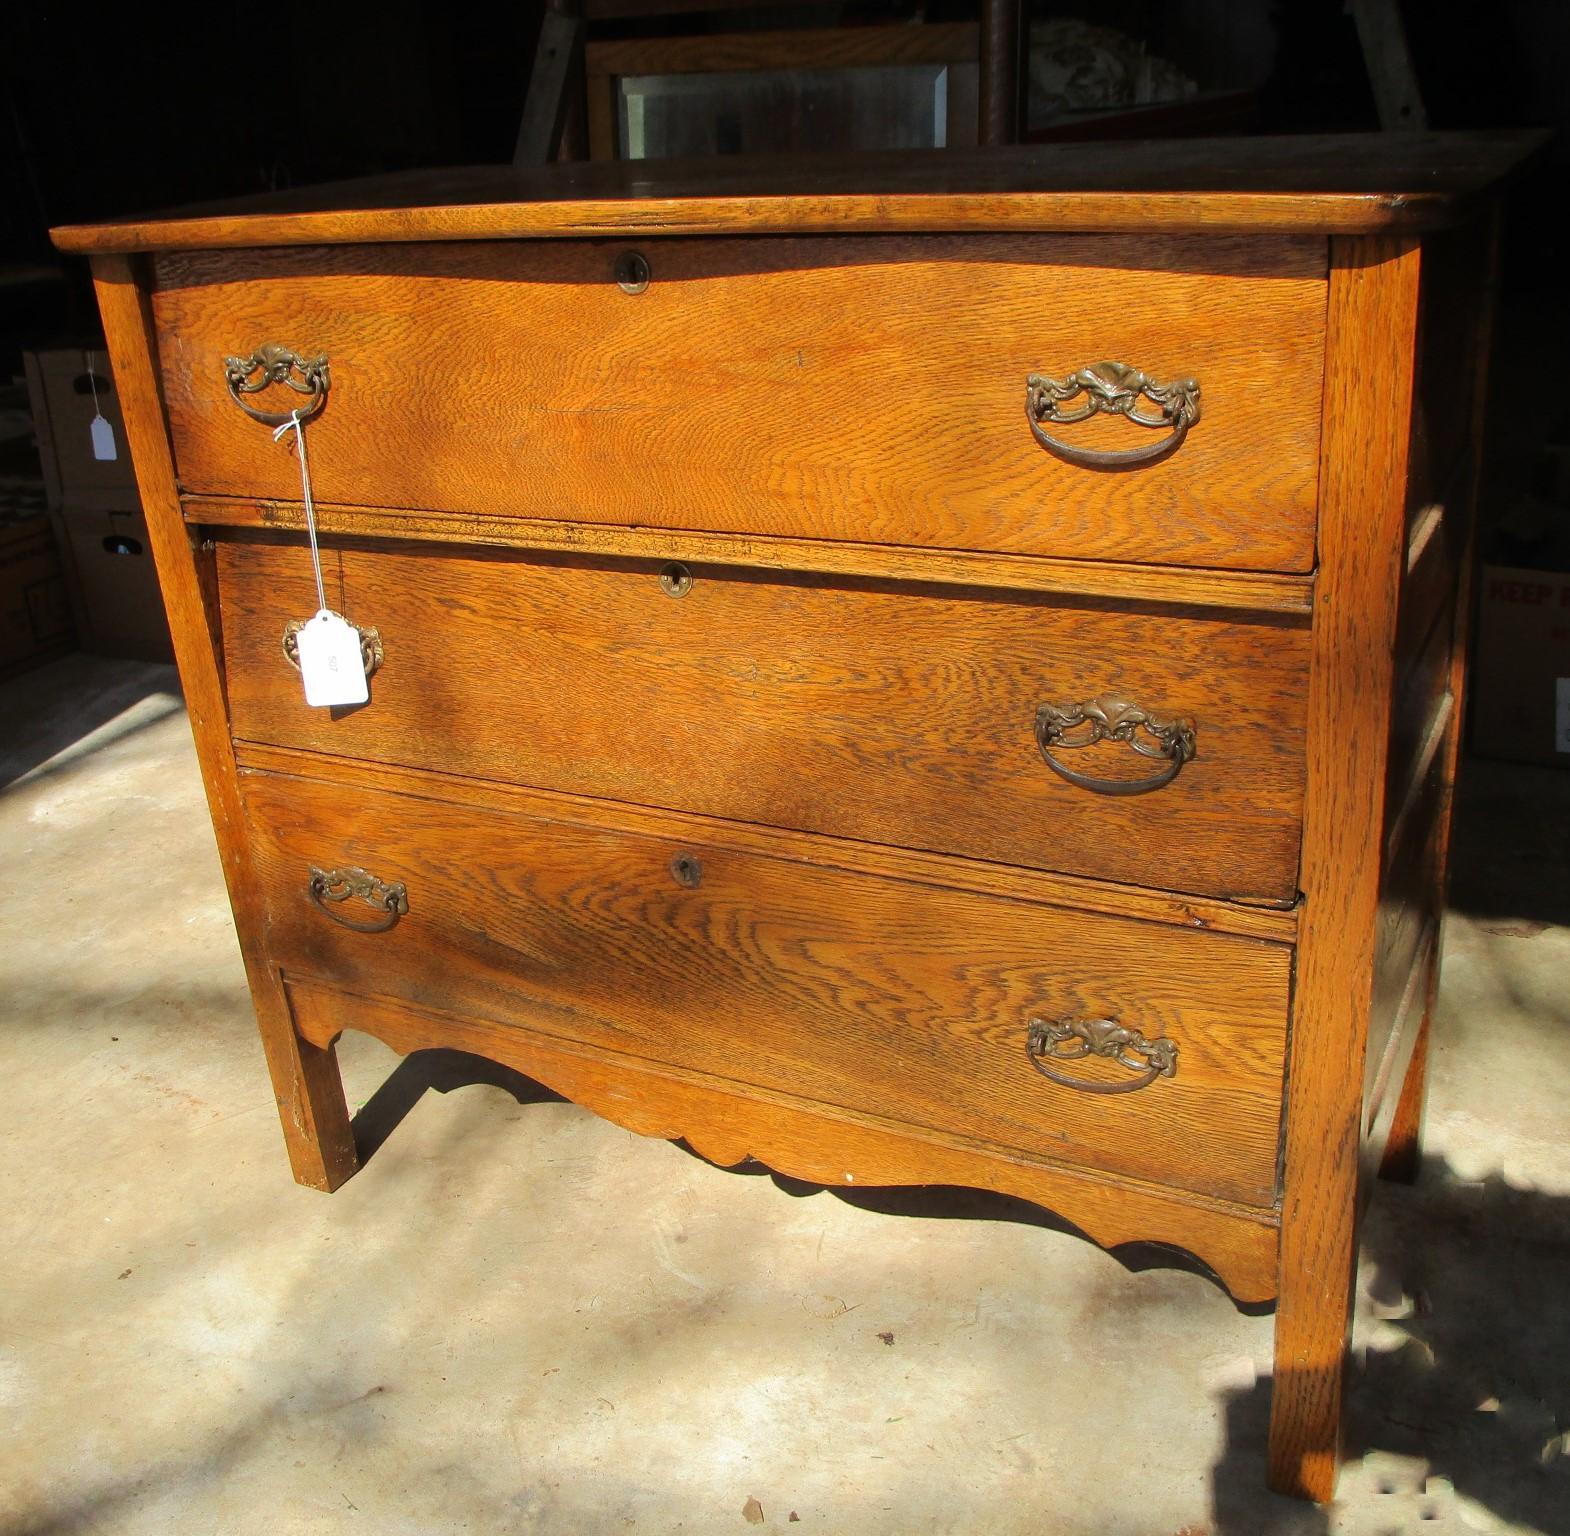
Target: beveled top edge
{"points": [[1327, 184]]}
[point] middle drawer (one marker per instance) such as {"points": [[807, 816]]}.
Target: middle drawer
{"points": [[900, 714]]}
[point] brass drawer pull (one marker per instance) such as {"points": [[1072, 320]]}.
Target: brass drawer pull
{"points": [[371, 652], [1113, 719], [1075, 1039], [338, 885], [271, 364], [1113, 388]]}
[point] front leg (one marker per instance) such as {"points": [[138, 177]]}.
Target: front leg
{"points": [[308, 1088]]}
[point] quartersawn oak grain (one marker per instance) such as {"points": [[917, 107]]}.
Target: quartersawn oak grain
{"points": [[1373, 313], [805, 1141], [888, 714], [900, 1001], [1326, 184], [1366, 889], [830, 389], [1206, 914]]}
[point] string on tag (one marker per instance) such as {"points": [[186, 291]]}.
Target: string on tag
{"points": [[295, 425], [92, 383]]}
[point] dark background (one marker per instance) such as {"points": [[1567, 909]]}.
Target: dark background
{"points": [[117, 111], [111, 112]]}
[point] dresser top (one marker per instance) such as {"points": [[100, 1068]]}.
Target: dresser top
{"points": [[1324, 184]]}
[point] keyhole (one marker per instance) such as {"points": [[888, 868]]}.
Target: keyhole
{"points": [[632, 272], [676, 580], [687, 870]]}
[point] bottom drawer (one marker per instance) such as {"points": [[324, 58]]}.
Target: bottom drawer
{"points": [[903, 1001]]}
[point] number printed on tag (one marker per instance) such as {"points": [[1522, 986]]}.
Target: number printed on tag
{"points": [[331, 665]]}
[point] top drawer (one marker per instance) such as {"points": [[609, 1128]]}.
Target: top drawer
{"points": [[869, 389]]}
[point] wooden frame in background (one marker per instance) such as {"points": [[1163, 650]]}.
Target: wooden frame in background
{"points": [[817, 48]]}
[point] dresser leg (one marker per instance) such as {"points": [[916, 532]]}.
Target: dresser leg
{"points": [[311, 1105], [1313, 1317]]}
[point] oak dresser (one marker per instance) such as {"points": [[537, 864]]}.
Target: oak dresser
{"points": [[934, 670]]}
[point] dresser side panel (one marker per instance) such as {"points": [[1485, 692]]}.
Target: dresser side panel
{"points": [[1398, 1149]]}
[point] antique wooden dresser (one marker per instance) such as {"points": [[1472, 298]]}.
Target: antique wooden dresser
{"points": [[930, 671]]}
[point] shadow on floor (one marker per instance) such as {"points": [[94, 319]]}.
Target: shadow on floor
{"points": [[67, 703], [1467, 1368], [445, 1070], [441, 1071]]}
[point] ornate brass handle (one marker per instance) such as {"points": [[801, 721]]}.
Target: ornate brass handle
{"points": [[1113, 388], [1075, 1039], [1113, 719], [371, 652], [338, 885], [271, 364]]}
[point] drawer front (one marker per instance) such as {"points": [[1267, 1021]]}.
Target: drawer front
{"points": [[895, 999], [893, 714], [861, 389]]}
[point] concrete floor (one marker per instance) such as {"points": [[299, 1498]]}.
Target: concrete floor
{"points": [[519, 1318]]}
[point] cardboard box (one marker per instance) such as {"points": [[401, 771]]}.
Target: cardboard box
{"points": [[61, 388], [35, 617], [1521, 680], [119, 609]]}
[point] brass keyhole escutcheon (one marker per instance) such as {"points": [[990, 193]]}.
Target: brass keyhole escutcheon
{"points": [[676, 580], [632, 272], [688, 872]]}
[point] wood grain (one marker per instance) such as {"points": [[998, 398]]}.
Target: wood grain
{"points": [[305, 1077], [1327, 184], [1278, 924], [893, 715], [1373, 313], [823, 389], [902, 1002], [1240, 591], [827, 429], [813, 1142]]}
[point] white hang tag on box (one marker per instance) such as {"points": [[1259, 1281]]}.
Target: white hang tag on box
{"points": [[331, 666], [103, 439], [98, 428]]}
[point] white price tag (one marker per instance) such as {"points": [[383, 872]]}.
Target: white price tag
{"points": [[103, 439], [98, 429], [331, 665]]}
